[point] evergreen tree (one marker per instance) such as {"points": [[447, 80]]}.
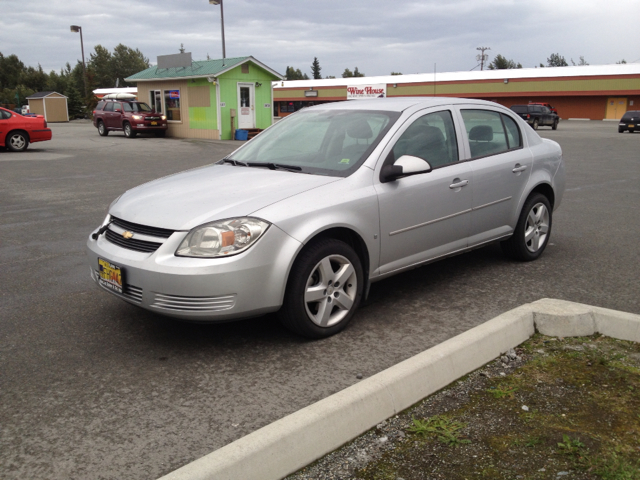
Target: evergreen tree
{"points": [[295, 74], [502, 63], [556, 60], [126, 62], [100, 61], [580, 63], [315, 69], [75, 103], [348, 73]]}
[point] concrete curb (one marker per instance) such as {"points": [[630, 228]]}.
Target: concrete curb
{"points": [[295, 441]]}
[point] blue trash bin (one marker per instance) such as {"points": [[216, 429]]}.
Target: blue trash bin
{"points": [[242, 134]]}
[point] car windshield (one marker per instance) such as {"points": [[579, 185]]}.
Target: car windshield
{"points": [[327, 142], [136, 107]]}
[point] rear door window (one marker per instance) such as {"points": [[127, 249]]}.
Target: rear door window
{"points": [[485, 131]]}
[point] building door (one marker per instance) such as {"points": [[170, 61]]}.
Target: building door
{"points": [[616, 108], [246, 108]]}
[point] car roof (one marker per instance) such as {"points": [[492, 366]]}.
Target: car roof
{"points": [[399, 104]]}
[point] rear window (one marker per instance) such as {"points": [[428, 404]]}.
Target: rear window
{"points": [[520, 108], [630, 114], [100, 105]]}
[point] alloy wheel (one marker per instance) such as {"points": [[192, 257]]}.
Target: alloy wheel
{"points": [[331, 290], [536, 227]]}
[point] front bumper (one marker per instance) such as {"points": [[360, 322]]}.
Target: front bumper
{"points": [[202, 290], [141, 127]]}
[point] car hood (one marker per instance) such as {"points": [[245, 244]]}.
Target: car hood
{"points": [[188, 199]]}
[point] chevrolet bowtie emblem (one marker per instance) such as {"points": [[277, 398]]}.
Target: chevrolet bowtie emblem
{"points": [[127, 234]]}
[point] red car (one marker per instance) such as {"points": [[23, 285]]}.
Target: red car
{"points": [[17, 132]]}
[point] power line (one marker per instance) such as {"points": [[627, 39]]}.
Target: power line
{"points": [[481, 57]]}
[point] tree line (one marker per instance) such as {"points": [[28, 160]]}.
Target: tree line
{"points": [[103, 70], [500, 62]]}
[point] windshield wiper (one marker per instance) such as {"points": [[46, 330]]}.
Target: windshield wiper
{"points": [[234, 162], [275, 166]]}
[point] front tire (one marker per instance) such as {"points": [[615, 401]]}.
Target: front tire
{"points": [[128, 131], [17, 142], [324, 289], [160, 133], [102, 130], [532, 231]]}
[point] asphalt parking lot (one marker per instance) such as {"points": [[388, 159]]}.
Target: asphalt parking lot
{"points": [[92, 387]]}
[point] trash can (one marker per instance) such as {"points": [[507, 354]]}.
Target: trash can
{"points": [[242, 134]]}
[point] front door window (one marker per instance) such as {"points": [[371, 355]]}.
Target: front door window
{"points": [[245, 106]]}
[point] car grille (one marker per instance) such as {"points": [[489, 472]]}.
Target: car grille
{"points": [[153, 119], [136, 244], [131, 243], [193, 304], [137, 228]]}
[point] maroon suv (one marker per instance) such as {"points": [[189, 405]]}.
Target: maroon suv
{"points": [[130, 116]]}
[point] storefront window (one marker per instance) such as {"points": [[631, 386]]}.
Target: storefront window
{"points": [[155, 100], [172, 104]]}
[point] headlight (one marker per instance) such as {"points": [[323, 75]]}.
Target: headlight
{"points": [[137, 117], [226, 237], [164, 117]]}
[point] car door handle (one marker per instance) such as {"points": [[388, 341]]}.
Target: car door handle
{"points": [[458, 183], [519, 168]]}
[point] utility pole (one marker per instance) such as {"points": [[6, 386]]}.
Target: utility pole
{"points": [[481, 57]]}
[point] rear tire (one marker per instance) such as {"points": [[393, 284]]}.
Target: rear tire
{"points": [[535, 124], [102, 130], [324, 289], [17, 141], [128, 131], [620, 130], [555, 125], [532, 232]]}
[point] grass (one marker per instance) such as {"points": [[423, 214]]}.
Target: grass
{"points": [[581, 420]]}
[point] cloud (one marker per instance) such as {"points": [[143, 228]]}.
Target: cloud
{"points": [[377, 36]]}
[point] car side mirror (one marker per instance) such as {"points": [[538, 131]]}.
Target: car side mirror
{"points": [[404, 166], [117, 110]]}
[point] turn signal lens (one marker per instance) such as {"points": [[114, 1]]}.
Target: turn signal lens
{"points": [[219, 239]]}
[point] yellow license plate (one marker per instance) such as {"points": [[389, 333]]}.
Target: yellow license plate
{"points": [[154, 123], [632, 126], [110, 276]]}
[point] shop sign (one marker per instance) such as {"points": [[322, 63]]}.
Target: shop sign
{"points": [[359, 92], [174, 93]]}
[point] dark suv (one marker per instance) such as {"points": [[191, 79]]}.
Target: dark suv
{"points": [[630, 121], [537, 115], [130, 116]]}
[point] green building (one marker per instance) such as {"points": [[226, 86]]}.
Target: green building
{"points": [[211, 98]]}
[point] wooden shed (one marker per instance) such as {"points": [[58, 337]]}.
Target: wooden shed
{"points": [[52, 105]]}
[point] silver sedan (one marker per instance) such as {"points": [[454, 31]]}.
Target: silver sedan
{"points": [[304, 217]]}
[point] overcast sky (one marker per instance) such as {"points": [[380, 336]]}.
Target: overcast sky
{"points": [[377, 36]]}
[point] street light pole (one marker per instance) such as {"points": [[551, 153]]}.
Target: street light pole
{"points": [[219, 2], [76, 29]]}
